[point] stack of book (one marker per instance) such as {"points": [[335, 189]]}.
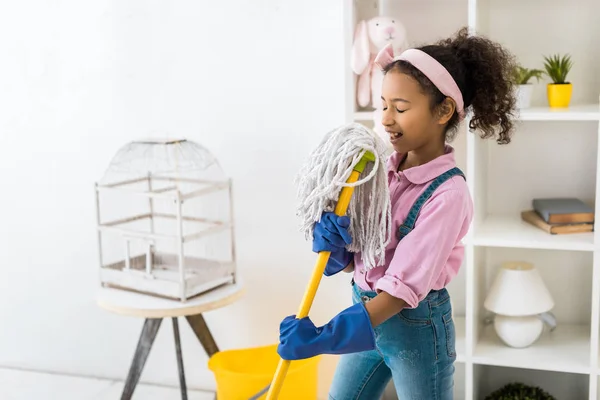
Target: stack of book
{"points": [[560, 215]]}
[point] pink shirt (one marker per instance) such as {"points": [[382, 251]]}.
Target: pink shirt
{"points": [[432, 253]]}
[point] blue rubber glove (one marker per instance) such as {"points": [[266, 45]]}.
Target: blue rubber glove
{"points": [[331, 234], [348, 332]]}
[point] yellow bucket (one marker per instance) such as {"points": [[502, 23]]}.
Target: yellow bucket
{"points": [[242, 373]]}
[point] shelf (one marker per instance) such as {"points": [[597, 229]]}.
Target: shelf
{"points": [[554, 152], [511, 231], [567, 349], [585, 112], [559, 384]]}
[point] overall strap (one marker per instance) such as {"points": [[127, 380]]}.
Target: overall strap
{"points": [[409, 222]]}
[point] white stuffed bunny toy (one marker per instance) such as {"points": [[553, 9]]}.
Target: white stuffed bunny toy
{"points": [[370, 37]]}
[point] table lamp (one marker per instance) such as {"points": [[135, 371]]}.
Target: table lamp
{"points": [[518, 296]]}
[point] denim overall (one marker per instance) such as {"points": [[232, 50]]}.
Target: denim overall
{"points": [[415, 348]]}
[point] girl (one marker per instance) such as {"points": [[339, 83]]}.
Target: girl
{"points": [[400, 326]]}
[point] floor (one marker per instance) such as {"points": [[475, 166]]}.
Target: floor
{"points": [[27, 385]]}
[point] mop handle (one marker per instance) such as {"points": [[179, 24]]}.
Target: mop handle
{"points": [[340, 209]]}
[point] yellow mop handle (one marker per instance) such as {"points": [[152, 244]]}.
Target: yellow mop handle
{"points": [[311, 290]]}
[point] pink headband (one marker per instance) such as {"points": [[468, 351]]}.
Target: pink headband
{"points": [[430, 67]]}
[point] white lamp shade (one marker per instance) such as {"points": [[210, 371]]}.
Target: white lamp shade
{"points": [[518, 290]]}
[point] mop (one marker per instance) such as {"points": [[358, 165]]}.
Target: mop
{"points": [[345, 174]]}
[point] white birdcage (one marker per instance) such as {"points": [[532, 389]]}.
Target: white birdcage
{"points": [[165, 220]]}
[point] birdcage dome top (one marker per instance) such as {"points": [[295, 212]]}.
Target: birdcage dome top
{"points": [[175, 158]]}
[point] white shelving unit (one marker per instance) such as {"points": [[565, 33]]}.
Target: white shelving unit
{"points": [[553, 153]]}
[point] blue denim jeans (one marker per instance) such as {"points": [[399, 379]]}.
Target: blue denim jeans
{"points": [[415, 348]]}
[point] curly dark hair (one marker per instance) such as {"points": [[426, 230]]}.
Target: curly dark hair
{"points": [[482, 70]]}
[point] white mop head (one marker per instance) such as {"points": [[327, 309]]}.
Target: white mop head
{"points": [[321, 179]]}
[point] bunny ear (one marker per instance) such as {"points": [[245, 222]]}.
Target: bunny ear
{"points": [[384, 57], [360, 49]]}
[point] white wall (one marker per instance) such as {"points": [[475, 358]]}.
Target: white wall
{"points": [[80, 79]]}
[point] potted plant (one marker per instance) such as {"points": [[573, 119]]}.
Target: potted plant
{"points": [[524, 89], [560, 90], [519, 391]]}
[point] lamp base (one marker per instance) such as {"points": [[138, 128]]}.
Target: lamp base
{"points": [[518, 332]]}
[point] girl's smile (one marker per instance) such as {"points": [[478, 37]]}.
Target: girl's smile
{"points": [[394, 137]]}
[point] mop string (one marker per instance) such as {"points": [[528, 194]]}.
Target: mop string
{"points": [[326, 173]]}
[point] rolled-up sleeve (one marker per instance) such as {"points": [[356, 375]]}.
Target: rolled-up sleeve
{"points": [[421, 255]]}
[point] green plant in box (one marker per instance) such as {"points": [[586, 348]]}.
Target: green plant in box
{"points": [[523, 88], [519, 391], [560, 90]]}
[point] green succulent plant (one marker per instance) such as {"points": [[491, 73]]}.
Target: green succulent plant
{"points": [[519, 391], [558, 67], [522, 75]]}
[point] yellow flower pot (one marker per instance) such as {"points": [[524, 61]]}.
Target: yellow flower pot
{"points": [[559, 95]]}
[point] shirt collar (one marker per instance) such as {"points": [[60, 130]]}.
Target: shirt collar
{"points": [[425, 172]]}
